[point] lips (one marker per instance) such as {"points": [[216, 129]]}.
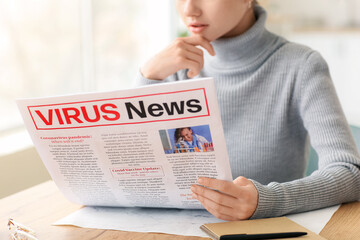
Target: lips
{"points": [[197, 27]]}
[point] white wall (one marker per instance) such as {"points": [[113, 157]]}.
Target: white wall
{"points": [[310, 13]]}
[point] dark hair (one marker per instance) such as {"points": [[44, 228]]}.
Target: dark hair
{"points": [[177, 133]]}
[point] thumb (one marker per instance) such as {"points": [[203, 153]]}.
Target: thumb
{"points": [[190, 74]]}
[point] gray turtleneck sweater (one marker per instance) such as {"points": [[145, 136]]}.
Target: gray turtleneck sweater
{"points": [[274, 97]]}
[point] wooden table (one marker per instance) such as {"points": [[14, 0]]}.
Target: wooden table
{"points": [[40, 206]]}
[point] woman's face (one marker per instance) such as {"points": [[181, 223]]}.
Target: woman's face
{"points": [[186, 134], [213, 19]]}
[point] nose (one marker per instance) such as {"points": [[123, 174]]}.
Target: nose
{"points": [[191, 8]]}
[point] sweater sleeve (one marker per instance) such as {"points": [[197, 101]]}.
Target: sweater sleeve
{"points": [[140, 80], [338, 178]]}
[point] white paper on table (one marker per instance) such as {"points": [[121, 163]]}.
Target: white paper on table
{"points": [[315, 220], [171, 221], [161, 220]]}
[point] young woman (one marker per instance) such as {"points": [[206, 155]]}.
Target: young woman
{"points": [[274, 97]]}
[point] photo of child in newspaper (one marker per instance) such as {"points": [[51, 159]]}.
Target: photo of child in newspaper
{"points": [[187, 139]]}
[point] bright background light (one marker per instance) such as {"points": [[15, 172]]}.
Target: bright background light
{"points": [[56, 47]]}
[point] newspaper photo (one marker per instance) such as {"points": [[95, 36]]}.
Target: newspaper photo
{"points": [[140, 147]]}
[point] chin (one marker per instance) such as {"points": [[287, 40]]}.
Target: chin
{"points": [[206, 36], [210, 38]]}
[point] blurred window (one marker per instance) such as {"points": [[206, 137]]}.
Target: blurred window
{"points": [[56, 47]]}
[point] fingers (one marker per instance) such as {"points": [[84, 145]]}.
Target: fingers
{"points": [[183, 53], [195, 54], [218, 210], [197, 40], [220, 198], [223, 186], [227, 200], [195, 58], [188, 57], [221, 205], [218, 214], [193, 66], [193, 49]]}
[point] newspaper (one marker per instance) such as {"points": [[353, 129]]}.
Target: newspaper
{"points": [[140, 147]]}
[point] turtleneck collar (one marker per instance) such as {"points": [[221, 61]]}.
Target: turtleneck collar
{"points": [[243, 50]]}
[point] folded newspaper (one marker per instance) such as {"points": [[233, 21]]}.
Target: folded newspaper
{"points": [[141, 147]]}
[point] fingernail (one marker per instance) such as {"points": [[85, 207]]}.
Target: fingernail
{"points": [[194, 195], [193, 188], [200, 180]]}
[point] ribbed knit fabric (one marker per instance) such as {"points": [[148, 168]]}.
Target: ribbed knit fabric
{"points": [[274, 97]]}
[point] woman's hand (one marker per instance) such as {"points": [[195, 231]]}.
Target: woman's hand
{"points": [[181, 54], [232, 201]]}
